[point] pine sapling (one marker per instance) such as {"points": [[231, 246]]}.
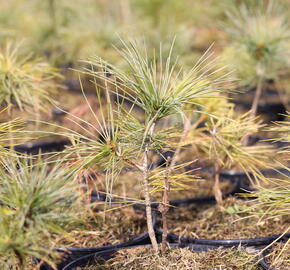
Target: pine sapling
{"points": [[160, 90]]}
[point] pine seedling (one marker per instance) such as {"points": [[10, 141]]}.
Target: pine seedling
{"points": [[37, 203], [259, 49], [65, 34], [273, 197], [276, 197], [271, 200], [10, 134], [274, 201], [161, 90], [222, 142], [17, 246], [24, 82]]}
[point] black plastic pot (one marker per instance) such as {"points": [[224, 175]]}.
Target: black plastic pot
{"points": [[242, 176], [37, 147], [253, 242], [73, 85], [265, 265], [75, 257], [83, 255], [56, 112], [102, 256], [274, 111], [78, 257], [74, 254], [238, 189]]}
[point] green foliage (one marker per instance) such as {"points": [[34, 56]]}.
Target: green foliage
{"points": [[260, 37], [159, 88], [58, 30], [37, 202], [17, 244], [274, 200], [178, 180], [273, 195], [25, 82], [11, 133], [223, 143], [12, 126]]}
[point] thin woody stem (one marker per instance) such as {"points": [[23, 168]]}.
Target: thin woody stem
{"points": [[148, 208], [170, 163], [145, 171], [255, 104], [164, 207], [217, 190], [257, 97]]}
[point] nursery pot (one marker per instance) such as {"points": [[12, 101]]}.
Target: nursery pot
{"points": [[101, 256], [34, 148]]}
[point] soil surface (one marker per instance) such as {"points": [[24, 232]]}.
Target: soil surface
{"points": [[181, 259], [226, 221]]}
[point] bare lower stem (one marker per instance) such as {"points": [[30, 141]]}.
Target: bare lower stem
{"points": [[148, 208], [257, 97], [164, 207], [10, 129], [217, 190], [145, 171], [255, 104]]}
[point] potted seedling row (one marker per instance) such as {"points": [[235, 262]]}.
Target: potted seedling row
{"points": [[128, 142], [192, 181]]}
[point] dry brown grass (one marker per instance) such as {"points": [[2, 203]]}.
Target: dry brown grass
{"points": [[224, 222], [181, 259]]}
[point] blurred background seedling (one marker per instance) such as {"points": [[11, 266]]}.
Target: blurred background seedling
{"points": [[221, 140], [25, 82], [259, 48]]}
